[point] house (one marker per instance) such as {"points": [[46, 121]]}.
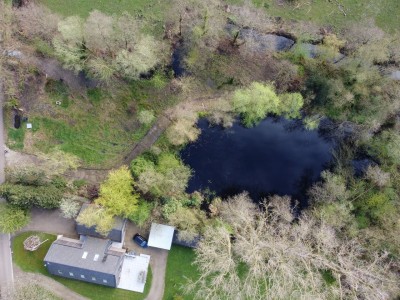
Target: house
{"points": [[94, 259], [116, 234], [88, 259]]}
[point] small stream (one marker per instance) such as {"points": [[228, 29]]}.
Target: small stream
{"points": [[278, 156]]}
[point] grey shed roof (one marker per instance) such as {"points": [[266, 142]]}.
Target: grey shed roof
{"points": [[87, 253], [115, 234]]}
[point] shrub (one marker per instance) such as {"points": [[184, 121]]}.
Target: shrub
{"points": [[12, 218], [146, 117], [69, 208], [26, 176], [25, 197]]}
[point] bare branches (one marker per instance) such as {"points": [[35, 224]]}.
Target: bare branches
{"points": [[280, 258]]}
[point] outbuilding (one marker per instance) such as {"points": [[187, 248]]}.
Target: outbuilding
{"points": [[161, 236]]}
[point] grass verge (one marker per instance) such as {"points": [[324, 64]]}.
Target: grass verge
{"points": [[179, 270], [33, 262]]}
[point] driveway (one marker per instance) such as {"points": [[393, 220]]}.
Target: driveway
{"points": [[158, 261], [50, 221]]}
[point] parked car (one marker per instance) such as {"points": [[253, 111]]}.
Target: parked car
{"points": [[141, 241]]}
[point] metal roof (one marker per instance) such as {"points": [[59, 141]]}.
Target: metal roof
{"points": [[161, 236], [89, 253]]}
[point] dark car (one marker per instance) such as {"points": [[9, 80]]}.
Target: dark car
{"points": [[141, 241]]}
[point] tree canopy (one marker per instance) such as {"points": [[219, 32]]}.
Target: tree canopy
{"points": [[258, 100], [267, 254], [117, 195]]}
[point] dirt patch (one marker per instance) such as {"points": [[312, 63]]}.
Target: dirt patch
{"points": [[47, 283]]}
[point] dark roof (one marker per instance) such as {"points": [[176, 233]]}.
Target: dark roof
{"points": [[115, 234], [87, 253]]}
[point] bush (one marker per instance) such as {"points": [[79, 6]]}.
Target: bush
{"points": [[146, 117], [25, 197], [27, 176], [69, 208], [12, 218]]}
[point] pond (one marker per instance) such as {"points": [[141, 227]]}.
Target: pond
{"points": [[278, 156]]}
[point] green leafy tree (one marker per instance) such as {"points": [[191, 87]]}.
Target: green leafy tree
{"points": [[168, 177], [117, 195], [98, 217], [12, 218], [189, 221], [142, 214], [290, 104], [255, 102]]}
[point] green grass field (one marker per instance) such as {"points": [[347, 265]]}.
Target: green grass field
{"points": [[97, 128], [146, 8], [100, 128], [33, 262], [16, 138], [324, 13], [152, 11], [179, 269]]}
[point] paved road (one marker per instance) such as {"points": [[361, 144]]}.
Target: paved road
{"points": [[6, 269]]}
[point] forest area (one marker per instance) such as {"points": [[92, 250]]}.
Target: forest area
{"points": [[118, 88]]}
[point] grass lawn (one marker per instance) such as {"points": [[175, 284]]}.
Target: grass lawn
{"points": [[151, 10], [33, 262], [16, 138], [100, 128], [384, 12], [179, 269], [97, 128]]}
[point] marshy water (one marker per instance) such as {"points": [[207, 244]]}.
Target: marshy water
{"points": [[278, 156]]}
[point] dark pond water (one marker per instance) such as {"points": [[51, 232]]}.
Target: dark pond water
{"points": [[177, 62], [276, 157]]}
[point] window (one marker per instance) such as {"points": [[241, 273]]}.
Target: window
{"points": [[94, 278], [96, 257], [82, 276], [105, 280], [71, 274], [59, 272], [84, 255]]}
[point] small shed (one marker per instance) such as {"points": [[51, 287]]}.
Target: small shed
{"points": [[161, 236]]}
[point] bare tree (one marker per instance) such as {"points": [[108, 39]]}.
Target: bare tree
{"points": [[36, 21], [267, 254]]}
